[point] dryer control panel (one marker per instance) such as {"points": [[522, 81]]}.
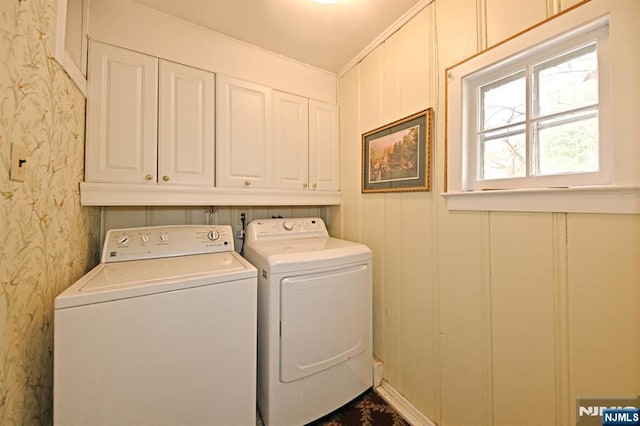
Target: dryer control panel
{"points": [[165, 241], [276, 229]]}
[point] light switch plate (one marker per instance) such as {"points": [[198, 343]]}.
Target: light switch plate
{"points": [[18, 162]]}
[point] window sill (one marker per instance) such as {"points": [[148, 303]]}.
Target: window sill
{"points": [[592, 199]]}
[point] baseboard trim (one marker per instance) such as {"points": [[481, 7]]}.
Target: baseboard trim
{"points": [[410, 413]]}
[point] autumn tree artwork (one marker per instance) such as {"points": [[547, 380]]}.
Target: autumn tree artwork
{"points": [[394, 156], [397, 157]]}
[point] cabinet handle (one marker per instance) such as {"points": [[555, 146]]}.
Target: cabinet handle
{"points": [[165, 178], [148, 177], [315, 185], [247, 182], [305, 185]]}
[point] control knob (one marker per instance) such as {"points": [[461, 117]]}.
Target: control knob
{"points": [[213, 235], [288, 226]]}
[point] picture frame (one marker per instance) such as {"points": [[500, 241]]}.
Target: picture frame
{"points": [[397, 157]]}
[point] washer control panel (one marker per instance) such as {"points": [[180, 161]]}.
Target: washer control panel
{"points": [[165, 241], [274, 229]]}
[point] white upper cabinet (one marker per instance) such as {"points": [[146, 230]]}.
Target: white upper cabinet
{"points": [[324, 147], [306, 145], [244, 141], [186, 137], [197, 133], [291, 141], [164, 133], [149, 120], [121, 115]]}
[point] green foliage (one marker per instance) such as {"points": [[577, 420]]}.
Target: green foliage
{"points": [[397, 161]]}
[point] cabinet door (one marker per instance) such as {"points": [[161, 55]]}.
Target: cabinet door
{"points": [[244, 134], [324, 147], [186, 143], [121, 115], [291, 141]]}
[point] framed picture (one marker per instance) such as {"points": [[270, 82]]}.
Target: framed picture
{"points": [[397, 157]]}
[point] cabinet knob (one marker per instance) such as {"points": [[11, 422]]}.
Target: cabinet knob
{"points": [[247, 182], [148, 177], [305, 185], [315, 185], [165, 178]]}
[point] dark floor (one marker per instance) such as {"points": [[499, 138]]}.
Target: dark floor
{"points": [[368, 409]]}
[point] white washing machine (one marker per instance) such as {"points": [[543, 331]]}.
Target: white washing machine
{"points": [[161, 332], [314, 319]]}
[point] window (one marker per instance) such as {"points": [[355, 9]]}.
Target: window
{"points": [[534, 121], [548, 119]]}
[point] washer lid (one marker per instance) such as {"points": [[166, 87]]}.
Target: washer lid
{"points": [[306, 253], [113, 281]]}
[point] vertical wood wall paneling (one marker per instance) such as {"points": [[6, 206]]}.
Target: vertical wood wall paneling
{"points": [[486, 321], [167, 216], [333, 219], [486, 325], [561, 320], [461, 267], [393, 278], [459, 248], [481, 24], [431, 318], [405, 91], [373, 236], [390, 83], [372, 205], [507, 17], [124, 217], [223, 216], [427, 303], [523, 318], [553, 7], [394, 283], [603, 280], [419, 310], [351, 149]]}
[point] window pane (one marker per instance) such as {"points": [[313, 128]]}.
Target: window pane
{"points": [[503, 101], [569, 148], [568, 82], [504, 158]]}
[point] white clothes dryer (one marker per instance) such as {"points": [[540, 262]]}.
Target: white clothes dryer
{"points": [[314, 319], [162, 331]]}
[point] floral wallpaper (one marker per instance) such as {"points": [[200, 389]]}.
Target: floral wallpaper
{"points": [[47, 240]]}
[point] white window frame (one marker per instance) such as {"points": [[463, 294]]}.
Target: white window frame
{"points": [[594, 32], [616, 187]]}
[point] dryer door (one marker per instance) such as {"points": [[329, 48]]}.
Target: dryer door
{"points": [[325, 320]]}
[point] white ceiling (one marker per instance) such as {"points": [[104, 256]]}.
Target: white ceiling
{"points": [[327, 36]]}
